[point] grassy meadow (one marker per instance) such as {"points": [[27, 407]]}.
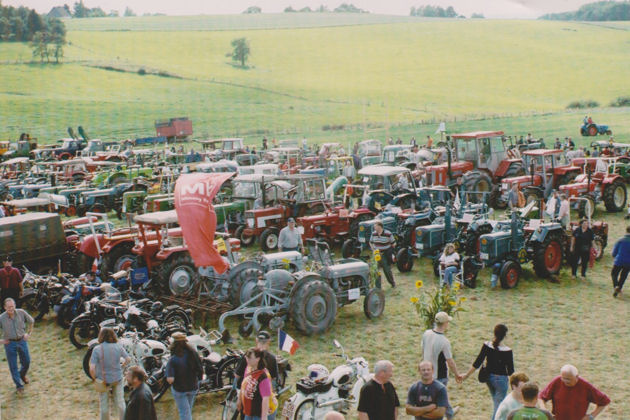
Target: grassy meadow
{"points": [[377, 77]]}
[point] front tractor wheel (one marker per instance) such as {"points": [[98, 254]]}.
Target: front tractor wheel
{"points": [[374, 303], [615, 196], [177, 275], [592, 130], [404, 261], [269, 240], [586, 208], [510, 274], [245, 240]]}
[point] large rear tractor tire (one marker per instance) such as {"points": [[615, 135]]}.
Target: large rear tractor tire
{"points": [[269, 240], [592, 130], [479, 182], [245, 240], [350, 248], [472, 239], [584, 209], [510, 274], [313, 307], [177, 275], [404, 261], [616, 196], [119, 258], [548, 256]]}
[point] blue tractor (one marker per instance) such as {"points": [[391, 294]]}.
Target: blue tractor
{"points": [[589, 128]]}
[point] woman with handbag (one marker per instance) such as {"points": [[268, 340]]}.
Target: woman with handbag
{"points": [[107, 373], [183, 372], [499, 365], [256, 399]]}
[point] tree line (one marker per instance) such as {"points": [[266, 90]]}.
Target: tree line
{"points": [[433, 11], [22, 24], [598, 11], [342, 8]]}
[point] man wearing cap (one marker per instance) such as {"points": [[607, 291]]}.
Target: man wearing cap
{"points": [[15, 336], [10, 281], [290, 238], [437, 349]]}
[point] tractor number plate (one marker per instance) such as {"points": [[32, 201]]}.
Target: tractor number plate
{"points": [[483, 255], [354, 294], [361, 239]]}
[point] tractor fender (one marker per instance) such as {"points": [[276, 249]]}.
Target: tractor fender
{"points": [[301, 278], [88, 244], [401, 197], [505, 166], [565, 170], [535, 190], [360, 211], [167, 253], [609, 179], [245, 265], [110, 245]]}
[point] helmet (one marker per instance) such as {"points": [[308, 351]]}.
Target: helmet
{"points": [[317, 372], [157, 307]]}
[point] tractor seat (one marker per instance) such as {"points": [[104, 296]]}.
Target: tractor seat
{"points": [[598, 176]]}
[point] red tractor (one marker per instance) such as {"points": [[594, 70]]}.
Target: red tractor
{"points": [[483, 158], [596, 186], [545, 172], [338, 222], [292, 196]]}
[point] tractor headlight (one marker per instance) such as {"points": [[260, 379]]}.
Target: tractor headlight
{"points": [[362, 228], [484, 241]]}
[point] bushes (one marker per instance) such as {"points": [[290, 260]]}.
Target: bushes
{"points": [[589, 103], [621, 101]]}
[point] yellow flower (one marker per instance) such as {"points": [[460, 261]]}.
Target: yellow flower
{"points": [[377, 257], [451, 302], [419, 284], [414, 300], [456, 287], [462, 299], [376, 251]]}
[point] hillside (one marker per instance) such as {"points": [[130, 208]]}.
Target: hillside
{"points": [[301, 80]]}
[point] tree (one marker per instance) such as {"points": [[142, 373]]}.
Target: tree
{"points": [[252, 10], [80, 11], [58, 49], [240, 50], [34, 23], [129, 12], [289, 9], [477, 16], [39, 44]]}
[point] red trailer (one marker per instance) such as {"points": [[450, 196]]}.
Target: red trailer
{"points": [[174, 129]]}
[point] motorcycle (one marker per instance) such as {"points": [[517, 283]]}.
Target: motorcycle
{"points": [[339, 391], [73, 302], [41, 293]]}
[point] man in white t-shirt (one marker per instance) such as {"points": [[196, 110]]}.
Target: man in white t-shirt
{"points": [[513, 400], [437, 349]]}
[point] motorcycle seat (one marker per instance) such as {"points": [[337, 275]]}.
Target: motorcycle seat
{"points": [[213, 357], [308, 386]]}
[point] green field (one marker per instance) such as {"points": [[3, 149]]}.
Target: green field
{"points": [[377, 77], [367, 78]]}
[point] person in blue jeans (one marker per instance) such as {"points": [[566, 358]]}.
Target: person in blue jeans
{"points": [[499, 364], [621, 265], [449, 261], [183, 372], [14, 337]]}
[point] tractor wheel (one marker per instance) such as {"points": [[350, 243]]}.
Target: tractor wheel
{"points": [[78, 178], [353, 231], [585, 210], [516, 169], [436, 265], [616, 196], [548, 256], [404, 261], [84, 263], [598, 246], [117, 259], [269, 240], [350, 249], [71, 211], [472, 245], [494, 200], [470, 273], [608, 132], [244, 285], [98, 208], [477, 181], [592, 130], [245, 240], [177, 275], [510, 274], [374, 303], [65, 156], [81, 210], [313, 307]]}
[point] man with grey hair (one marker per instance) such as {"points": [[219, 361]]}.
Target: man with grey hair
{"points": [[378, 399], [15, 336], [571, 396], [334, 415]]}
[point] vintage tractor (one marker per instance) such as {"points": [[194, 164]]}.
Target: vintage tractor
{"points": [[120, 175], [589, 128], [600, 228], [309, 298], [369, 152], [600, 185], [545, 172], [290, 196], [389, 185], [515, 243], [483, 158], [103, 200]]}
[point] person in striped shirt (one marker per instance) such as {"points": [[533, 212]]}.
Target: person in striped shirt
{"points": [[383, 241]]}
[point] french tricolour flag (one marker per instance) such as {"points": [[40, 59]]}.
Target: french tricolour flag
{"points": [[286, 343]]}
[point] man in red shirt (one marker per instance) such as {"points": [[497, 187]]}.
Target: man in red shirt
{"points": [[571, 396], [10, 281]]}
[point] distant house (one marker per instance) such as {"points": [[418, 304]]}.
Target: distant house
{"points": [[59, 12]]}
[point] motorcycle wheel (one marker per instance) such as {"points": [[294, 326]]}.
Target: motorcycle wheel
{"points": [[179, 319], [81, 333], [86, 362], [225, 374], [64, 317], [229, 405], [305, 411]]}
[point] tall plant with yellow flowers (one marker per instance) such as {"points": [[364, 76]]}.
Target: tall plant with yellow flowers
{"points": [[440, 299], [374, 272]]}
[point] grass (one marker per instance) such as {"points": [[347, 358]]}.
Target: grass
{"points": [[549, 324]]}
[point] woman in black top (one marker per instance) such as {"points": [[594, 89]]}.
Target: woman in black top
{"points": [[183, 372], [581, 243], [499, 364]]}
